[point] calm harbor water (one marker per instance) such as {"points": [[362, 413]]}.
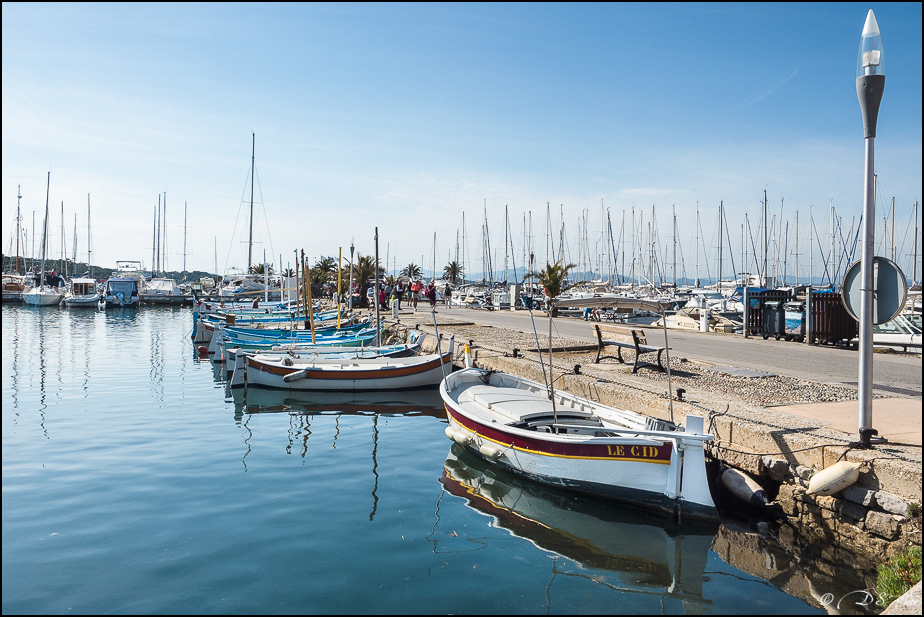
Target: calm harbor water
{"points": [[134, 482]]}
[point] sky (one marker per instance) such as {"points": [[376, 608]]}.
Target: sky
{"points": [[404, 117]]}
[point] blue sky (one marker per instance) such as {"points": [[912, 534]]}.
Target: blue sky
{"points": [[406, 116]]}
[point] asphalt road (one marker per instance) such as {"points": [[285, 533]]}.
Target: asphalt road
{"points": [[898, 374]]}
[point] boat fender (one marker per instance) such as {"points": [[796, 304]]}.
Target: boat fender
{"points": [[203, 351], [743, 487], [489, 451], [462, 438], [295, 376], [835, 478], [451, 433]]}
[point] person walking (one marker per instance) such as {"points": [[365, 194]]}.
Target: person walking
{"points": [[399, 293], [416, 287], [447, 295], [430, 292]]}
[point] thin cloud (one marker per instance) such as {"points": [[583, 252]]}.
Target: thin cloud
{"points": [[773, 88]]}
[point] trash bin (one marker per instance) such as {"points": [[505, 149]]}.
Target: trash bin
{"points": [[773, 320], [794, 321]]}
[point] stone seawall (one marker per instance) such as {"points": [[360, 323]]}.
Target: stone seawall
{"points": [[864, 524]]}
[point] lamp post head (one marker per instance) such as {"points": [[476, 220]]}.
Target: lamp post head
{"points": [[870, 74], [870, 59]]}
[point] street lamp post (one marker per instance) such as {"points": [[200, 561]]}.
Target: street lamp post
{"points": [[870, 85], [350, 288]]}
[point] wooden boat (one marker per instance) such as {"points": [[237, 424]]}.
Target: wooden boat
{"points": [[13, 286], [237, 376], [353, 374], [579, 444]]}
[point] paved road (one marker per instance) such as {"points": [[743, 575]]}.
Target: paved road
{"points": [[823, 364]]}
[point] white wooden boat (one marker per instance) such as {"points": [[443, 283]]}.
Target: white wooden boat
{"points": [[579, 444], [237, 375], [348, 374]]}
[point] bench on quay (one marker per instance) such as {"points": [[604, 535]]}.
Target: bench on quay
{"points": [[626, 338]]}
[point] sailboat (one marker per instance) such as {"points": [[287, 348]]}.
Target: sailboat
{"points": [[42, 294], [13, 282], [248, 284]]}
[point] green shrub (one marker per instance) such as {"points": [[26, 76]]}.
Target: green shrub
{"points": [[899, 575]]}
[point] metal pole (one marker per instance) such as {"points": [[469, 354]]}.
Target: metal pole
{"points": [[870, 85]]}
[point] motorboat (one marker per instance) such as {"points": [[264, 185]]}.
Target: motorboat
{"points": [[82, 292], [122, 292], [164, 291]]}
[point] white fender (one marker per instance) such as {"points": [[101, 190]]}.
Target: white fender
{"points": [[835, 478], [295, 376], [490, 451], [743, 487]]}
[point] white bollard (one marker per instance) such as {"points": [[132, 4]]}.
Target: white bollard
{"points": [[704, 319]]}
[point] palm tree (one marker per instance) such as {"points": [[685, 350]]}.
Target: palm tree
{"points": [[453, 272], [327, 265], [363, 271], [258, 269], [411, 271], [554, 279], [288, 272]]}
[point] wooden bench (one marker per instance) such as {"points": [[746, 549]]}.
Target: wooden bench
{"points": [[630, 339]]}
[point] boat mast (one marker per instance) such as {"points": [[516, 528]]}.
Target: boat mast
{"points": [[253, 154], [154, 241], [184, 242], [718, 283], [45, 232], [89, 251], [19, 221], [375, 296]]}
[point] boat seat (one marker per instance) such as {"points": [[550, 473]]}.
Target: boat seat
{"points": [[515, 405]]}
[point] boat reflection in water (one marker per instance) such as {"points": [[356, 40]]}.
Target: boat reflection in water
{"points": [[649, 554], [405, 403]]}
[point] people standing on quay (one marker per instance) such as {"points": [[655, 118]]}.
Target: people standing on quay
{"points": [[430, 292], [447, 294], [399, 292], [416, 287]]}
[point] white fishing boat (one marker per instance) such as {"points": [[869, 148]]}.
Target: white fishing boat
{"points": [[348, 374], [575, 443], [572, 442], [82, 292], [237, 375]]}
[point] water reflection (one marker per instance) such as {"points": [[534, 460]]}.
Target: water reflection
{"points": [[405, 403], [648, 555], [302, 407]]}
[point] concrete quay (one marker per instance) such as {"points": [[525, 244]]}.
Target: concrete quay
{"points": [[779, 411]]}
